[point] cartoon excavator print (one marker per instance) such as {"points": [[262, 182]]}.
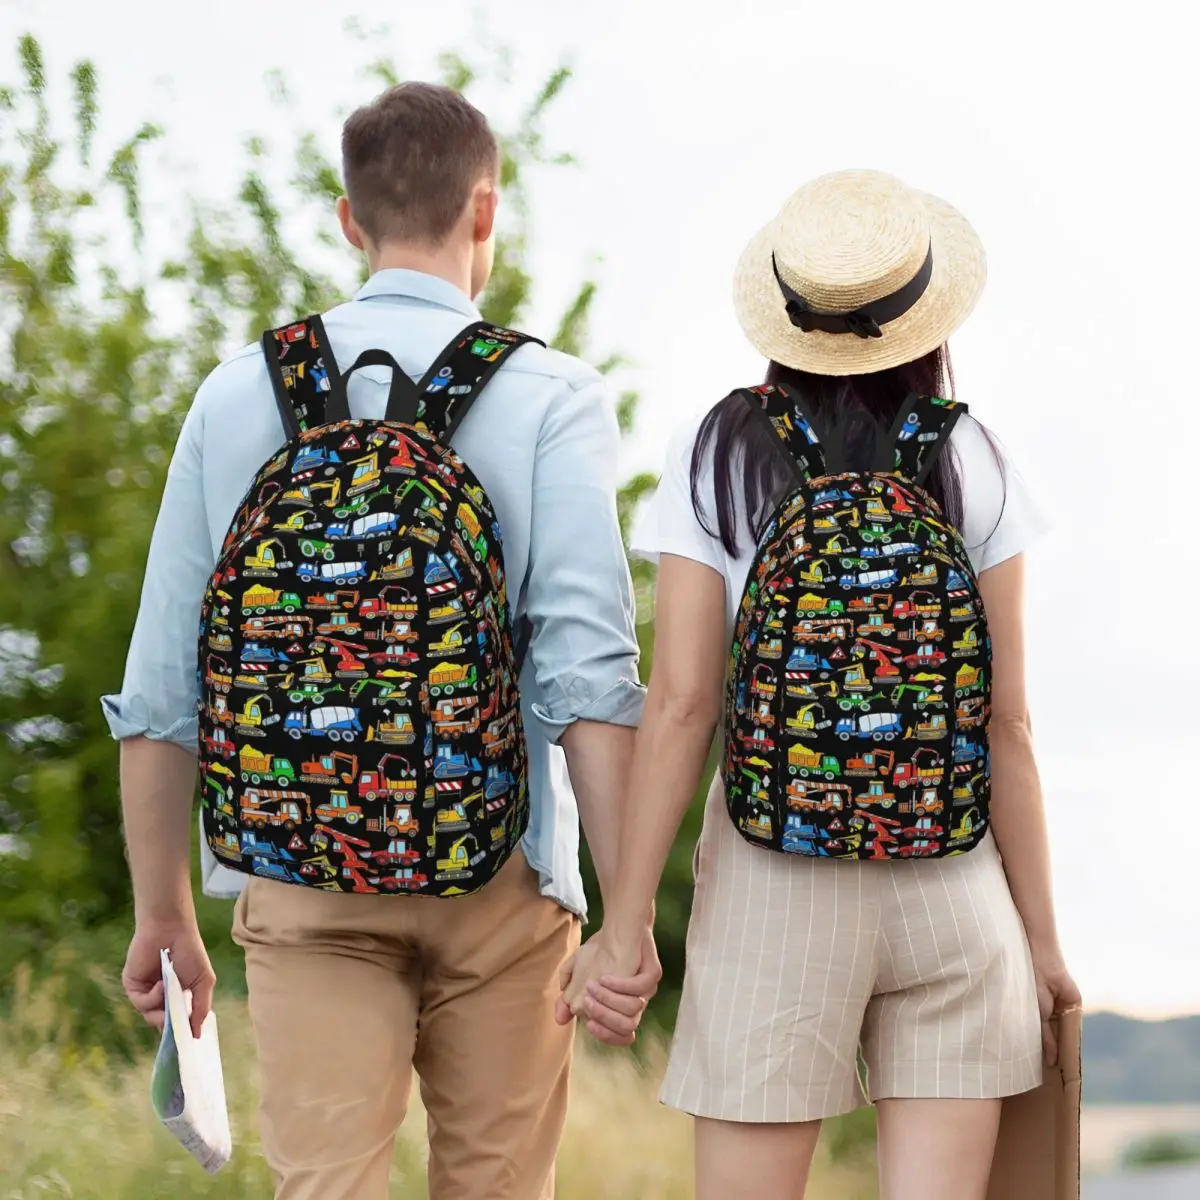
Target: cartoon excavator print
{"points": [[457, 863], [353, 867]]}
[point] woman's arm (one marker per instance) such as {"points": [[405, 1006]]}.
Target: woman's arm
{"points": [[683, 703], [1017, 813]]}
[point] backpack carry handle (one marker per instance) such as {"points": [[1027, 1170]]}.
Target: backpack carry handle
{"points": [[403, 400]]}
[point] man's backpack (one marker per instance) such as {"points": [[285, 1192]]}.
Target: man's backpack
{"points": [[360, 723], [860, 673]]}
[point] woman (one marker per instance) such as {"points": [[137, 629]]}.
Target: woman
{"points": [[935, 969]]}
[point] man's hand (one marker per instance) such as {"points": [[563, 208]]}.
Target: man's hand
{"points": [[609, 987], [142, 977]]}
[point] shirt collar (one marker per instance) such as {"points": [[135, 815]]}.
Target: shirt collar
{"points": [[397, 281]]}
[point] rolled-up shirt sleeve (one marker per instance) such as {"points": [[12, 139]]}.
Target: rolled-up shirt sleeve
{"points": [[578, 591], [158, 694]]}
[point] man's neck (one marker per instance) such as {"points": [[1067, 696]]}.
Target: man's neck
{"points": [[451, 263]]}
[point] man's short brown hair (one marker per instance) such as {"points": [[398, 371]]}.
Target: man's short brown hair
{"points": [[410, 159]]}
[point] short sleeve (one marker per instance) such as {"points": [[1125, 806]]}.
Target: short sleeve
{"points": [[1000, 516], [667, 522]]}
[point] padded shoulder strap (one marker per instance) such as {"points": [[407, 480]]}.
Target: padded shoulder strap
{"points": [[789, 418], [922, 427], [461, 372], [304, 375]]}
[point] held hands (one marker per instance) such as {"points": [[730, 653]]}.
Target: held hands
{"points": [[609, 986], [142, 977]]}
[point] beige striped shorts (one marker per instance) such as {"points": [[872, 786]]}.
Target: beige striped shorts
{"points": [[796, 966]]}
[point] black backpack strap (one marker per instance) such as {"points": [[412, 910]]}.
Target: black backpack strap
{"points": [[460, 373], [789, 418], [922, 427], [304, 375]]}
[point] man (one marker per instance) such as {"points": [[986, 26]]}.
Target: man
{"points": [[349, 992]]}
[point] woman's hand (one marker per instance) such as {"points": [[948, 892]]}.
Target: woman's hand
{"points": [[1056, 992], [609, 985]]}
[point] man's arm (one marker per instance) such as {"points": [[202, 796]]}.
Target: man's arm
{"points": [[579, 599], [155, 719]]}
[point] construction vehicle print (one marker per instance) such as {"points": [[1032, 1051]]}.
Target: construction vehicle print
{"points": [[925, 630], [811, 604], [365, 475], [455, 716], [353, 867], [804, 689], [260, 807], [968, 822], [396, 729], [217, 674], [476, 538], [400, 567], [381, 690], [220, 711], [965, 750], [966, 788], [220, 641], [876, 626], [891, 550], [875, 794], [394, 655], [758, 826], [451, 764], [448, 609], [393, 633], [260, 600], [968, 644], [814, 571], [818, 797], [822, 629], [257, 767], [762, 682], [884, 658], [802, 660], [332, 601], [257, 678], [926, 769], [256, 714], [918, 695], [809, 721], [923, 576], [457, 864], [924, 829], [967, 680], [397, 821], [227, 846], [450, 642], [964, 610], [339, 624], [931, 728], [970, 712], [339, 573], [282, 627], [918, 606], [330, 768], [338, 808], [871, 762], [399, 853], [349, 663], [921, 802], [800, 836], [335, 722], [451, 817], [394, 779], [805, 762], [448, 678], [265, 559], [883, 726], [758, 741], [407, 453], [299, 522], [497, 783], [218, 791]]}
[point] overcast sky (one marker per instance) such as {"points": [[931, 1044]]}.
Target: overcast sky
{"points": [[1066, 136]]}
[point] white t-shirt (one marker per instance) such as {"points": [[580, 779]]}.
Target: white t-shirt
{"points": [[1000, 518]]}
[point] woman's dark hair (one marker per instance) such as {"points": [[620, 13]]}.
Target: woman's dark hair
{"points": [[855, 410]]}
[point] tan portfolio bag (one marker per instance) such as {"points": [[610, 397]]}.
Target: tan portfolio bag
{"points": [[1037, 1152]]}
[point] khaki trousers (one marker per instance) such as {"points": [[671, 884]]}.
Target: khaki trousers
{"points": [[349, 993]]}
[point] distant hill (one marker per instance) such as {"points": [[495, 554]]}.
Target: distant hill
{"points": [[1140, 1062]]}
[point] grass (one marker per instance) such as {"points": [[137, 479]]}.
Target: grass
{"points": [[77, 1123]]}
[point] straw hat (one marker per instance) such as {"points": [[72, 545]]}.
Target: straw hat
{"points": [[857, 273]]}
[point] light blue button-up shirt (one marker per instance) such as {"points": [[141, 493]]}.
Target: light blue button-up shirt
{"points": [[542, 439]]}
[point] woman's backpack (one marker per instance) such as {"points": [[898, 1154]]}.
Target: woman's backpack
{"points": [[856, 719]]}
